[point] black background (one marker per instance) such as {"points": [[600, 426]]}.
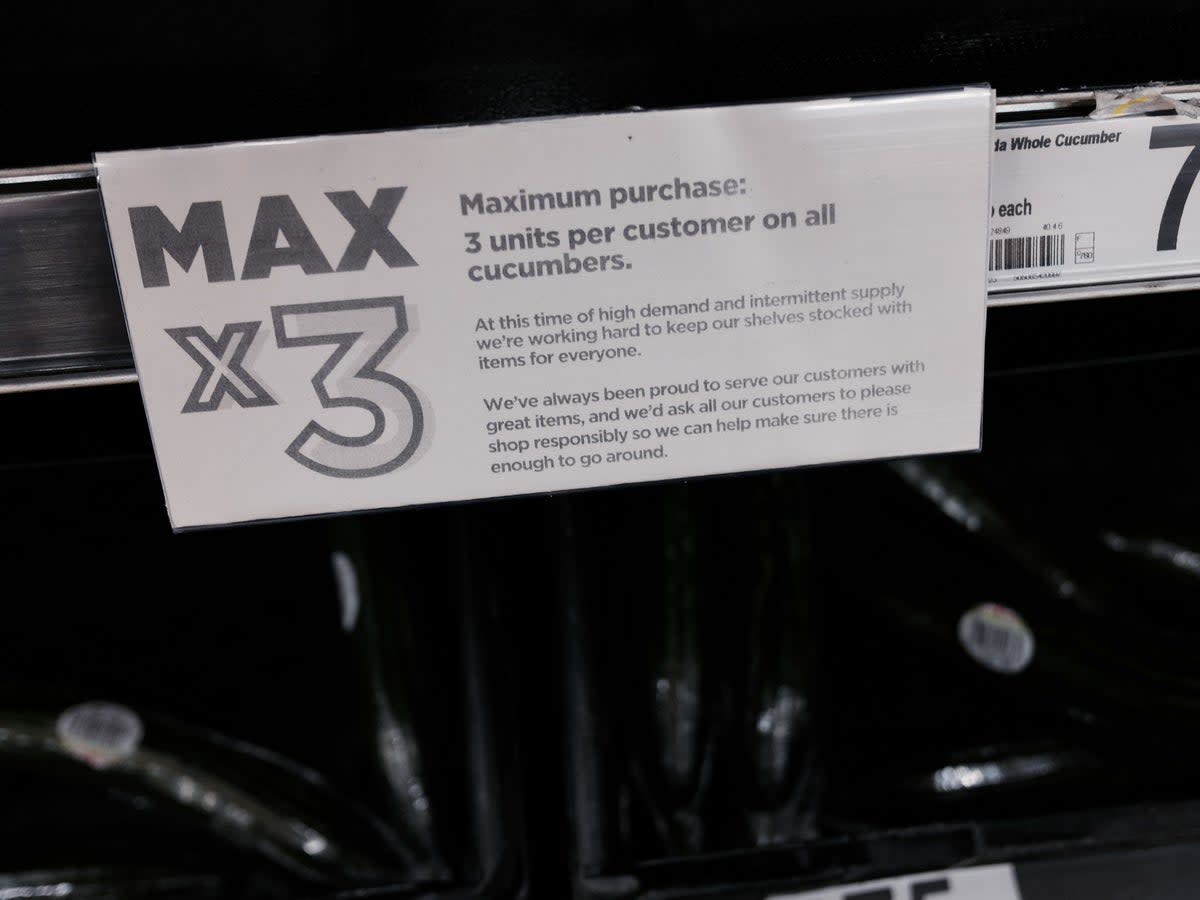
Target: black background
{"points": [[82, 79], [78, 80]]}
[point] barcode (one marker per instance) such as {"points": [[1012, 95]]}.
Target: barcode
{"points": [[993, 639], [100, 727], [1028, 252], [1003, 645], [99, 733]]}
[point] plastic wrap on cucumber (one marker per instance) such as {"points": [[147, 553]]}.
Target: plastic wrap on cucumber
{"points": [[1048, 601], [954, 496], [681, 755], [114, 883], [1173, 556], [990, 770], [373, 615], [248, 796], [777, 769]]}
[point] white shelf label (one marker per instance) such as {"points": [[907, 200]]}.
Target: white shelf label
{"points": [[1094, 202], [978, 883], [378, 320]]}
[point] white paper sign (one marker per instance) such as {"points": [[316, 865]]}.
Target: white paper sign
{"points": [[978, 883], [378, 320], [1094, 202]]}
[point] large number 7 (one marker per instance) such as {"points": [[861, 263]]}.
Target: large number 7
{"points": [[1176, 136], [363, 333]]}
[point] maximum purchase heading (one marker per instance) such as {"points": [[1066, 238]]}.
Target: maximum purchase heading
{"points": [[606, 236], [533, 201]]}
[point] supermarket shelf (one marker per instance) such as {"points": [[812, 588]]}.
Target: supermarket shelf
{"points": [[61, 323], [1093, 291], [1155, 873], [66, 380], [60, 314], [1168, 872], [47, 174]]}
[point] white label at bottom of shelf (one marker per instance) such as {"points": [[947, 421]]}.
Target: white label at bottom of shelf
{"points": [[1094, 202], [379, 320], [979, 883]]}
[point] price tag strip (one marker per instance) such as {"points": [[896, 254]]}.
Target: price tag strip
{"points": [[379, 320], [978, 883], [1094, 202]]}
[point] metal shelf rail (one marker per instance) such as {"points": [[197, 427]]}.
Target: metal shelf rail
{"points": [[61, 323]]}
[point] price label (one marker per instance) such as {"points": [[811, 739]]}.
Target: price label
{"points": [[1094, 202], [378, 320], [978, 883], [100, 734]]}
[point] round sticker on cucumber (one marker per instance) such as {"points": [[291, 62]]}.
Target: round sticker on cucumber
{"points": [[996, 638], [100, 734]]}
